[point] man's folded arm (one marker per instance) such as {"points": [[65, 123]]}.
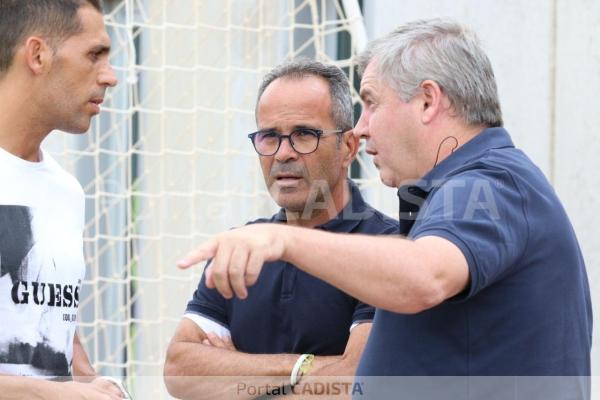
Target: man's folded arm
{"points": [[346, 364], [188, 359]]}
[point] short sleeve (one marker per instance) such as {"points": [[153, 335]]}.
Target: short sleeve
{"points": [[363, 313], [482, 213], [208, 303]]}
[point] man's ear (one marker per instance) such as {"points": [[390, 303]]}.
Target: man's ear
{"points": [[351, 142], [38, 54], [432, 100]]}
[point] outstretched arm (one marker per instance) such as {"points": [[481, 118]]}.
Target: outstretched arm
{"points": [[392, 273]]}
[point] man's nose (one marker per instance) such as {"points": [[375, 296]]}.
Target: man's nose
{"points": [[107, 76], [361, 130], [286, 151]]}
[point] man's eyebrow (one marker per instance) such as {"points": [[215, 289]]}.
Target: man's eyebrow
{"points": [[100, 48], [303, 126], [365, 93], [293, 128]]}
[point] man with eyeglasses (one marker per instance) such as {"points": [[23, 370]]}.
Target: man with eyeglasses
{"points": [[489, 286], [292, 323]]}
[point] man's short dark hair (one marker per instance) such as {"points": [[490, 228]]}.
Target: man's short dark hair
{"points": [[54, 20], [339, 88]]}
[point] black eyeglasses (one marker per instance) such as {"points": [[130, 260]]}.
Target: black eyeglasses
{"points": [[303, 140]]}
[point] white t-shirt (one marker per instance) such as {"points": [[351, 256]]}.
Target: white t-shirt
{"points": [[42, 265]]}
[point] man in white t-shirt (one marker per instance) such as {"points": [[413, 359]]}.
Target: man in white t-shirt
{"points": [[54, 72]]}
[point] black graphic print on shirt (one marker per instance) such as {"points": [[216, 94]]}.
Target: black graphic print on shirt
{"points": [[29, 294], [16, 240]]}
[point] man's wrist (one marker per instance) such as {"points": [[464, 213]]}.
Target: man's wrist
{"points": [[302, 367], [119, 384], [287, 235]]}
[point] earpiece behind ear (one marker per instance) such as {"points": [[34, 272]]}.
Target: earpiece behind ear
{"points": [[451, 141]]}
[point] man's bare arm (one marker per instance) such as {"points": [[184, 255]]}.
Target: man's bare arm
{"points": [[189, 362], [336, 366], [193, 369], [392, 273], [82, 368], [347, 364], [20, 387]]}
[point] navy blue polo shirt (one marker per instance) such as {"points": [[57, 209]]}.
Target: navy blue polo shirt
{"points": [[526, 311], [289, 311]]}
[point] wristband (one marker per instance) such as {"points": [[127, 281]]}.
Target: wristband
{"points": [[303, 366]]}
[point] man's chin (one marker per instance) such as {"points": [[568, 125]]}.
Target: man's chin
{"points": [[387, 179], [291, 206], [291, 202], [76, 129]]}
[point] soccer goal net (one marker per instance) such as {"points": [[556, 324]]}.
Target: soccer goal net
{"points": [[168, 163]]}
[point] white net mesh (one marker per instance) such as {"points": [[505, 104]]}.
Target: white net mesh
{"points": [[168, 163]]}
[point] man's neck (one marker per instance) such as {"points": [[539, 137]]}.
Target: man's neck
{"points": [[319, 213], [453, 137], [21, 127], [20, 146]]}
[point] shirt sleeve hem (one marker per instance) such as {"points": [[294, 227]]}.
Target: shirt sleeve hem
{"points": [[363, 316], [466, 251], [207, 310], [208, 324]]}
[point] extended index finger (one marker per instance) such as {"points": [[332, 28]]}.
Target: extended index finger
{"points": [[204, 252]]}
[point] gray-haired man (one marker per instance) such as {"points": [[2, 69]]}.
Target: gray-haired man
{"points": [[490, 279]]}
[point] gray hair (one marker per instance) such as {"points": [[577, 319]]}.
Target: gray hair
{"points": [[445, 52], [339, 89]]}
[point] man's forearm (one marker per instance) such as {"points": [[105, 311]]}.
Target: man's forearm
{"points": [[395, 274], [195, 359], [82, 369], [403, 275], [192, 369], [338, 367], [19, 387]]}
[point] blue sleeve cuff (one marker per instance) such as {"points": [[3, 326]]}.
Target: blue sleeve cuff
{"points": [[470, 290]]}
